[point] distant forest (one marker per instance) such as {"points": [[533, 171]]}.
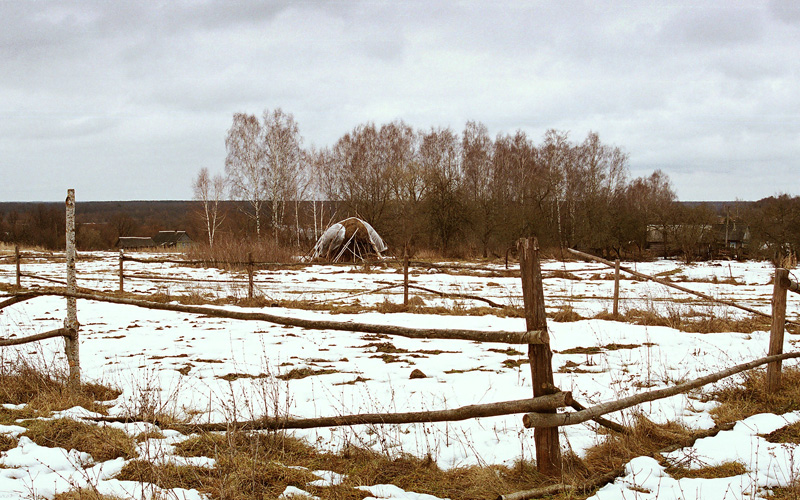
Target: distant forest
{"points": [[452, 194], [773, 224]]}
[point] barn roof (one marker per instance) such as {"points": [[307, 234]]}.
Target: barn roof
{"points": [[135, 242], [167, 238]]}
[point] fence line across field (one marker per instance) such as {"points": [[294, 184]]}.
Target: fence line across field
{"points": [[541, 408]]}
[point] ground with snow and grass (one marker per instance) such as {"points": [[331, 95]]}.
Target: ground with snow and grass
{"points": [[204, 369]]}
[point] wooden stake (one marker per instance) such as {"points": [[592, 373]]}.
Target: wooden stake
{"points": [[250, 275], [616, 288], [405, 275], [16, 259], [71, 322], [121, 266], [778, 327], [548, 450]]}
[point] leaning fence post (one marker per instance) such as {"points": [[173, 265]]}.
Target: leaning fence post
{"points": [[16, 259], [71, 322], [778, 327], [250, 275], [548, 450], [121, 266], [616, 288]]}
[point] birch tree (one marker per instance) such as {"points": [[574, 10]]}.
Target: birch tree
{"points": [[245, 166], [210, 190], [283, 162]]}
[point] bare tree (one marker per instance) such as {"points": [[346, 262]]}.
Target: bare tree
{"points": [[245, 166], [283, 158], [476, 147], [440, 154], [209, 191]]}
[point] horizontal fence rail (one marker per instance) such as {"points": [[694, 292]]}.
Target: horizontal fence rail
{"points": [[572, 418], [552, 401], [532, 337]]}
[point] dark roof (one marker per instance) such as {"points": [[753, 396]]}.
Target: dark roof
{"points": [[171, 237], [135, 242]]}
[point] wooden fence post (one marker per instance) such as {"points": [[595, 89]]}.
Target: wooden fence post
{"points": [[71, 322], [405, 275], [616, 288], [548, 450], [778, 327], [121, 266], [16, 259], [250, 275]]}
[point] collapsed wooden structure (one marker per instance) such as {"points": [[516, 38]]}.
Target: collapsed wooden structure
{"points": [[350, 240]]}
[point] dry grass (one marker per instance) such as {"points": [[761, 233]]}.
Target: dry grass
{"points": [[565, 314], [645, 439], [46, 391], [255, 465], [726, 469], [7, 442], [233, 250], [692, 321], [84, 494], [101, 442], [747, 396]]}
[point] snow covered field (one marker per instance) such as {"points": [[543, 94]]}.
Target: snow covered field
{"points": [[216, 369]]}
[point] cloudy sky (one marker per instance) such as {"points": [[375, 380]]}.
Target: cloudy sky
{"points": [[128, 100]]}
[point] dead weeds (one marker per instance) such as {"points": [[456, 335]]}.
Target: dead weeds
{"points": [[747, 396], [101, 442]]}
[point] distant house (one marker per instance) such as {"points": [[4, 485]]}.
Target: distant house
{"points": [[172, 239], [135, 242]]}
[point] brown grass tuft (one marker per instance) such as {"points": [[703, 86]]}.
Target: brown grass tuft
{"points": [[747, 396], [251, 465], [566, 314], [101, 442], [696, 322], [727, 469], [167, 475], [46, 391], [645, 439], [84, 494], [7, 442]]}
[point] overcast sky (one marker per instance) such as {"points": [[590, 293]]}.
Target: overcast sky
{"points": [[128, 100]]}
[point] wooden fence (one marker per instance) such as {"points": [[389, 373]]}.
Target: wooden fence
{"points": [[540, 411]]}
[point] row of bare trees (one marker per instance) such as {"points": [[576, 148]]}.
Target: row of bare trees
{"points": [[437, 188], [464, 192]]}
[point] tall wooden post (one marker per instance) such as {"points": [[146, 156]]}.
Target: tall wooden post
{"points": [[250, 275], [405, 275], [121, 266], [548, 450], [16, 259], [616, 288], [71, 322], [778, 327]]}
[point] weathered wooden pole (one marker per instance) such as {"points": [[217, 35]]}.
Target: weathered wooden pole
{"points": [[548, 450], [778, 327], [616, 288], [71, 322], [250, 275], [405, 275], [121, 267], [16, 259]]}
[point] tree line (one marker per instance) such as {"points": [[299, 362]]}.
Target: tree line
{"points": [[458, 193]]}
